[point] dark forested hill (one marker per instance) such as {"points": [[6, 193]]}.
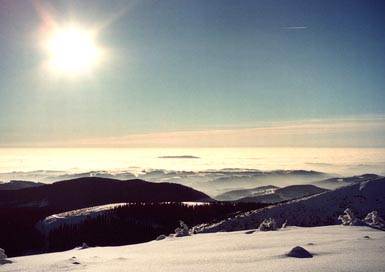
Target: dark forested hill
{"points": [[18, 184], [85, 192]]}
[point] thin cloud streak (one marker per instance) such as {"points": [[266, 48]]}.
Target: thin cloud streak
{"points": [[311, 133]]}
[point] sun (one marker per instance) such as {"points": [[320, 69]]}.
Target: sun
{"points": [[69, 46], [72, 50]]}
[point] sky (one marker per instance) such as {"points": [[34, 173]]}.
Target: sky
{"points": [[197, 73]]}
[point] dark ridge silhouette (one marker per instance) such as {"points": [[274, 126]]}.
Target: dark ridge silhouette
{"points": [[19, 184], [85, 192]]}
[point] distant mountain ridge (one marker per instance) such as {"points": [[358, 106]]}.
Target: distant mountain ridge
{"points": [[285, 193], [237, 194], [254, 178], [19, 184], [271, 194], [333, 183], [92, 191], [212, 182]]}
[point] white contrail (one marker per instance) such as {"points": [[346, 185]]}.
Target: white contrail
{"points": [[294, 27]]}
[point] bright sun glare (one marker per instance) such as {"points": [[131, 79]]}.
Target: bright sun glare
{"points": [[72, 50]]}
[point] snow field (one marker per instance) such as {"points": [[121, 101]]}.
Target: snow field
{"points": [[335, 248]]}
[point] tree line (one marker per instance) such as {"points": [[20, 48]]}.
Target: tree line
{"points": [[122, 225]]}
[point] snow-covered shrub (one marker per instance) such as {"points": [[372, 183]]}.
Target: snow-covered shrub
{"points": [[3, 257], [348, 218], [2, 254], [373, 219], [284, 224], [182, 230], [161, 237], [268, 224], [84, 246]]}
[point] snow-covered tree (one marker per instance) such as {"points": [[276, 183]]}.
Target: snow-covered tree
{"points": [[84, 246], [374, 220], [268, 224], [349, 219], [3, 257], [2, 254], [371, 219], [182, 230], [161, 237]]}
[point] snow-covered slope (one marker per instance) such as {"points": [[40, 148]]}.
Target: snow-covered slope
{"points": [[334, 248], [74, 216], [318, 210]]}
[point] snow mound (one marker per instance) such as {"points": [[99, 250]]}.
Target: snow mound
{"points": [[299, 252]]}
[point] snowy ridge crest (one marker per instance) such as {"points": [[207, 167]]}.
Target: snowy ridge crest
{"points": [[74, 216]]}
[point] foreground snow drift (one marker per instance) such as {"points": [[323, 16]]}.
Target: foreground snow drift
{"points": [[334, 248]]}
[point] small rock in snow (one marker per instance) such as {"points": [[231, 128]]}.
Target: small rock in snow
{"points": [[299, 252]]}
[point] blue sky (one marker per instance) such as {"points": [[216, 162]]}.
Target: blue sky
{"points": [[183, 66]]}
